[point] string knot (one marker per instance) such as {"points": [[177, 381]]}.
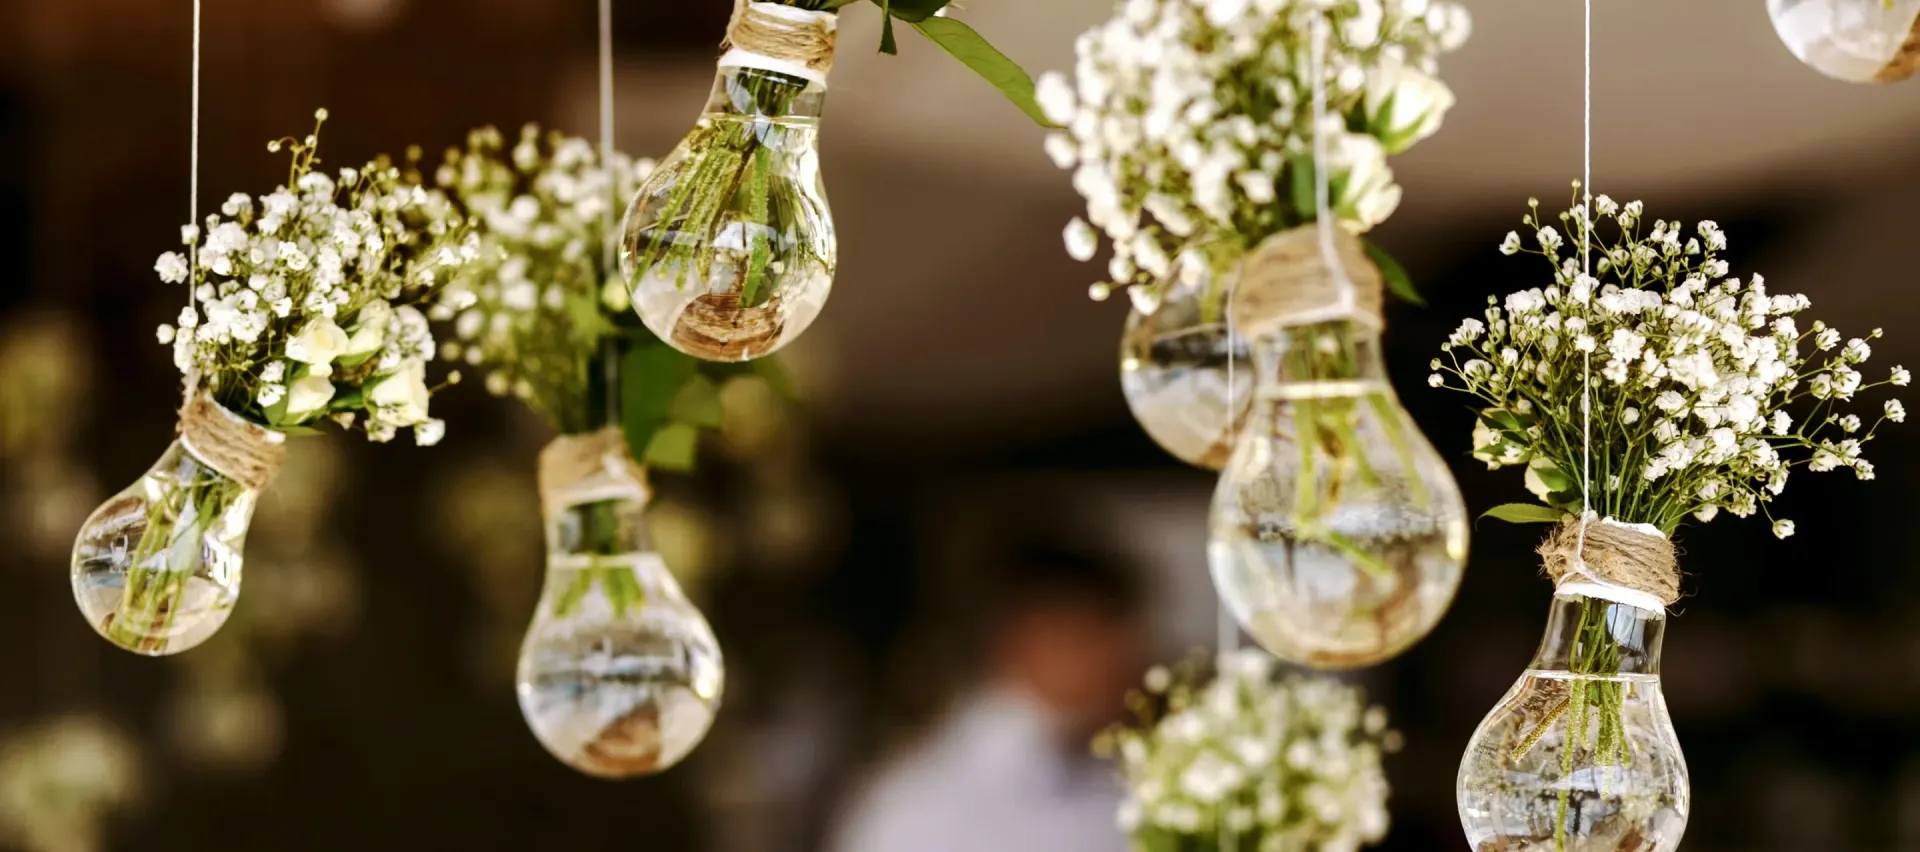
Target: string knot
{"points": [[239, 450], [1612, 553], [1287, 280], [575, 469], [783, 33]]}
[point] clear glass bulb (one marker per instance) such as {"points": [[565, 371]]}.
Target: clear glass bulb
{"points": [[1337, 534], [1580, 756], [620, 675], [1859, 41], [1173, 370], [729, 248], [156, 569]]}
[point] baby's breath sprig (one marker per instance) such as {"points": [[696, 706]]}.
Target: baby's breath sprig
{"points": [[1288, 763], [536, 306], [1704, 395], [304, 299], [1189, 125]]}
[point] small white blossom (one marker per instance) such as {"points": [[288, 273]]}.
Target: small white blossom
{"points": [[1782, 528]]}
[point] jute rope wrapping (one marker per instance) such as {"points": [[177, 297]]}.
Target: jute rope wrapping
{"points": [[1904, 63], [806, 39], [238, 450], [1286, 281], [571, 461], [716, 326], [1614, 553]]}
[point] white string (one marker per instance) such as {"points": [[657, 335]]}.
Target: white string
{"points": [[606, 127], [609, 224], [1586, 269], [193, 194], [1322, 203], [193, 164]]}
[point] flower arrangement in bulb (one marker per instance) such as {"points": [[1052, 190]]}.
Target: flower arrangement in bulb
{"points": [[730, 249], [1706, 392], [303, 311], [543, 312], [1238, 759]]}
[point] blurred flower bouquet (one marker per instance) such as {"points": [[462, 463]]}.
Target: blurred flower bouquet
{"points": [[302, 310], [1249, 763]]}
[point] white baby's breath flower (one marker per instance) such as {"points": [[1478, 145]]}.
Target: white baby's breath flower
{"points": [[171, 267], [1782, 528], [429, 432], [1081, 240], [1895, 411]]}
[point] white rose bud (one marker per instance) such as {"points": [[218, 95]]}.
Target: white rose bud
{"points": [[370, 333], [402, 395], [307, 396], [319, 343], [1404, 105]]}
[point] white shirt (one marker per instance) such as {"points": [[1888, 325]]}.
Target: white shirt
{"points": [[993, 778]]}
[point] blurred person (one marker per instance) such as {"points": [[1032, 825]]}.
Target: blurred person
{"points": [[1010, 769]]}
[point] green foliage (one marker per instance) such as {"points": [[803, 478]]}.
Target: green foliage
{"points": [[967, 45], [1525, 513]]}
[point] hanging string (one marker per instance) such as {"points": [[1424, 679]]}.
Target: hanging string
{"points": [[609, 354], [193, 196], [1586, 269], [1322, 202]]}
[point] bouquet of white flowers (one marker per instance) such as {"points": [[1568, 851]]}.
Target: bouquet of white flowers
{"points": [[1250, 763], [1189, 125], [302, 310], [1706, 391]]}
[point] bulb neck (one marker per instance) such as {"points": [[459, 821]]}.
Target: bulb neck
{"points": [[1599, 637], [608, 527], [757, 93], [1295, 358]]}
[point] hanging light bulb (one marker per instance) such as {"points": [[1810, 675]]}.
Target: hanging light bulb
{"points": [[156, 569], [619, 676], [1337, 534], [729, 248], [1581, 755], [1174, 372], [1859, 41]]}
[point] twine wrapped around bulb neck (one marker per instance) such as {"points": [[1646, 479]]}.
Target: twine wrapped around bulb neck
{"points": [[571, 461], [1287, 281], [241, 451], [1906, 61], [1614, 553], [807, 40]]}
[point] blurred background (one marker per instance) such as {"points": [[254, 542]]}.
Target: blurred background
{"points": [[960, 403]]}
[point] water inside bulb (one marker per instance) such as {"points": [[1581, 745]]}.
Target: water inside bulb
{"points": [[1859, 41], [1173, 370], [1581, 755], [728, 248], [620, 675], [1337, 534], [156, 569]]}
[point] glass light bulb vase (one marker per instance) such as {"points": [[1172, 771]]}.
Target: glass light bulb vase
{"points": [[1337, 534], [1175, 372], [620, 675], [156, 568], [728, 248], [1581, 755], [1859, 41]]}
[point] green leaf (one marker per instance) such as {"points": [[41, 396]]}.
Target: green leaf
{"points": [[1399, 283], [1500, 419], [1300, 168], [762, 251], [570, 597], [1554, 478], [887, 45], [1525, 513], [672, 447], [912, 11], [650, 379], [974, 52], [698, 403]]}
